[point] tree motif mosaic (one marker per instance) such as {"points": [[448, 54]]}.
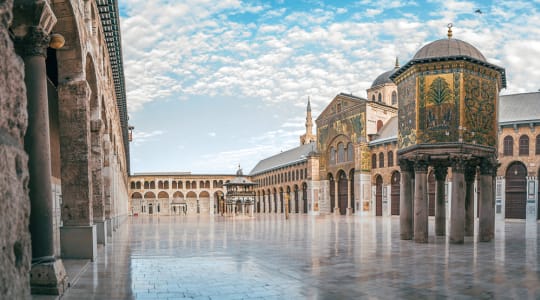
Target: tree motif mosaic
{"points": [[479, 111]]}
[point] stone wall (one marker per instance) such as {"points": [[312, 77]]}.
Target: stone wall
{"points": [[14, 215]]}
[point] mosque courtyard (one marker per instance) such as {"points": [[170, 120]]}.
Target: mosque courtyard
{"points": [[305, 257]]}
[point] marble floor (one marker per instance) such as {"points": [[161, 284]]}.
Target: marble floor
{"points": [[306, 257]]}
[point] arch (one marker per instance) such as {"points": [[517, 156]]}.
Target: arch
{"points": [[201, 184], [174, 185], [379, 97], [214, 183], [132, 185], [138, 185], [395, 190], [180, 185], [351, 184], [204, 194], [394, 98], [508, 146], [332, 192], [136, 195], [343, 192], [166, 184], [524, 145], [207, 184], [160, 185], [191, 202], [68, 27], [332, 155], [281, 202], [194, 184], [373, 97], [149, 195], [152, 184], [378, 195], [191, 194], [431, 193], [374, 161], [178, 194], [188, 184], [163, 195], [515, 191], [274, 194], [390, 159], [381, 160]]}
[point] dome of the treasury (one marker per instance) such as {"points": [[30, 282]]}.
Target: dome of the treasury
{"points": [[449, 47], [383, 78]]}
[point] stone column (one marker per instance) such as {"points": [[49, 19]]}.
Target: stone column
{"points": [[486, 226], [349, 200], [78, 235], [406, 201], [470, 173], [440, 206], [420, 202], [457, 211], [98, 191], [107, 183], [47, 275]]}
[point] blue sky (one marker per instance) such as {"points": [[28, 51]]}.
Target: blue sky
{"points": [[214, 84]]}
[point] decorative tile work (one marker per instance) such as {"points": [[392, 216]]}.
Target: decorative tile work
{"points": [[479, 110], [407, 112]]}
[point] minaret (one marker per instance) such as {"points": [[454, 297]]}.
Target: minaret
{"points": [[308, 137]]}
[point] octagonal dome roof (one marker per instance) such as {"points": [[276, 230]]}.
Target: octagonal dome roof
{"points": [[448, 48], [383, 78]]}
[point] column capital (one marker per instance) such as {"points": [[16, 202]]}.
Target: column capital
{"points": [[421, 166], [34, 43], [406, 165], [441, 171], [489, 166], [459, 163]]}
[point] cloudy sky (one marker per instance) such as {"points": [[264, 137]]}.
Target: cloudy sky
{"points": [[216, 83]]}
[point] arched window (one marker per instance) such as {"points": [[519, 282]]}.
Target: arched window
{"points": [[374, 161], [166, 184], [174, 185], [194, 184], [379, 97], [332, 157], [160, 184], [350, 152], [133, 184], [538, 145], [341, 153], [373, 98], [138, 185], [188, 184], [146, 185], [152, 184], [379, 125], [180, 185], [390, 158], [394, 98], [381, 160], [524, 145], [508, 146]]}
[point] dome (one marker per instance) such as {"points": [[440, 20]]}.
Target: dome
{"points": [[383, 78], [448, 48]]}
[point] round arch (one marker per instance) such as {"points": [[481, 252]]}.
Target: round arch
{"points": [[378, 194], [395, 191], [149, 195], [163, 195], [515, 191], [343, 192], [136, 195]]}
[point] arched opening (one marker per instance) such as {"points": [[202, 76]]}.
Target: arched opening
{"points": [[191, 201], [341, 153], [332, 192], [374, 161], [381, 160], [343, 192], [304, 197], [373, 98], [379, 97], [390, 159], [138, 185], [350, 152], [351, 184], [537, 151], [281, 203], [150, 208], [516, 191], [275, 201], [508, 146], [166, 185], [204, 202], [379, 125], [394, 98], [395, 192], [378, 195], [332, 156], [163, 195], [431, 193], [524, 145], [296, 200]]}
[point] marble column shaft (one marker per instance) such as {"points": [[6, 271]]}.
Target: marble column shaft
{"points": [[406, 201], [470, 174], [420, 202], [440, 205], [457, 215], [486, 203]]}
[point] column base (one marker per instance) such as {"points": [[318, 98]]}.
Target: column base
{"points": [[48, 278], [350, 211], [78, 242], [101, 231]]}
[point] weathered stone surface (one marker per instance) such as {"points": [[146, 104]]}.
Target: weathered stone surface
{"points": [[14, 215]]}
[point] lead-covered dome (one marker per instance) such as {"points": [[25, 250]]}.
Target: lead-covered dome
{"points": [[448, 48], [383, 78]]}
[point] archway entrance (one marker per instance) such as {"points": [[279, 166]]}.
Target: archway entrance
{"points": [[342, 192], [332, 192], [431, 193], [378, 195], [395, 192], [150, 209], [516, 191]]}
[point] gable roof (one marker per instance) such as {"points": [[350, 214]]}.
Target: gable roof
{"points": [[289, 157], [519, 108], [354, 100]]}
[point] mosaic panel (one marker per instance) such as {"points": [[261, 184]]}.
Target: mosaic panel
{"points": [[407, 113], [480, 110]]}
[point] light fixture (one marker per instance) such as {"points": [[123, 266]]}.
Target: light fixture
{"points": [[57, 41]]}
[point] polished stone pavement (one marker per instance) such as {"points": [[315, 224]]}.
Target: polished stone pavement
{"points": [[306, 257]]}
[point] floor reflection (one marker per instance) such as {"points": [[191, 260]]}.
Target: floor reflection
{"points": [[305, 257]]}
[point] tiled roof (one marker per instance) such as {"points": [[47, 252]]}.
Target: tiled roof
{"points": [[110, 21], [285, 158], [519, 108]]}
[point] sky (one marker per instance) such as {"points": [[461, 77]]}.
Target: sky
{"points": [[212, 84]]}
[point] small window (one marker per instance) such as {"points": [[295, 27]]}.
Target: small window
{"points": [[379, 97], [524, 145], [332, 155], [341, 153], [394, 98], [373, 98], [379, 125], [508, 146], [350, 152], [374, 161], [390, 158], [381, 160], [538, 144]]}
